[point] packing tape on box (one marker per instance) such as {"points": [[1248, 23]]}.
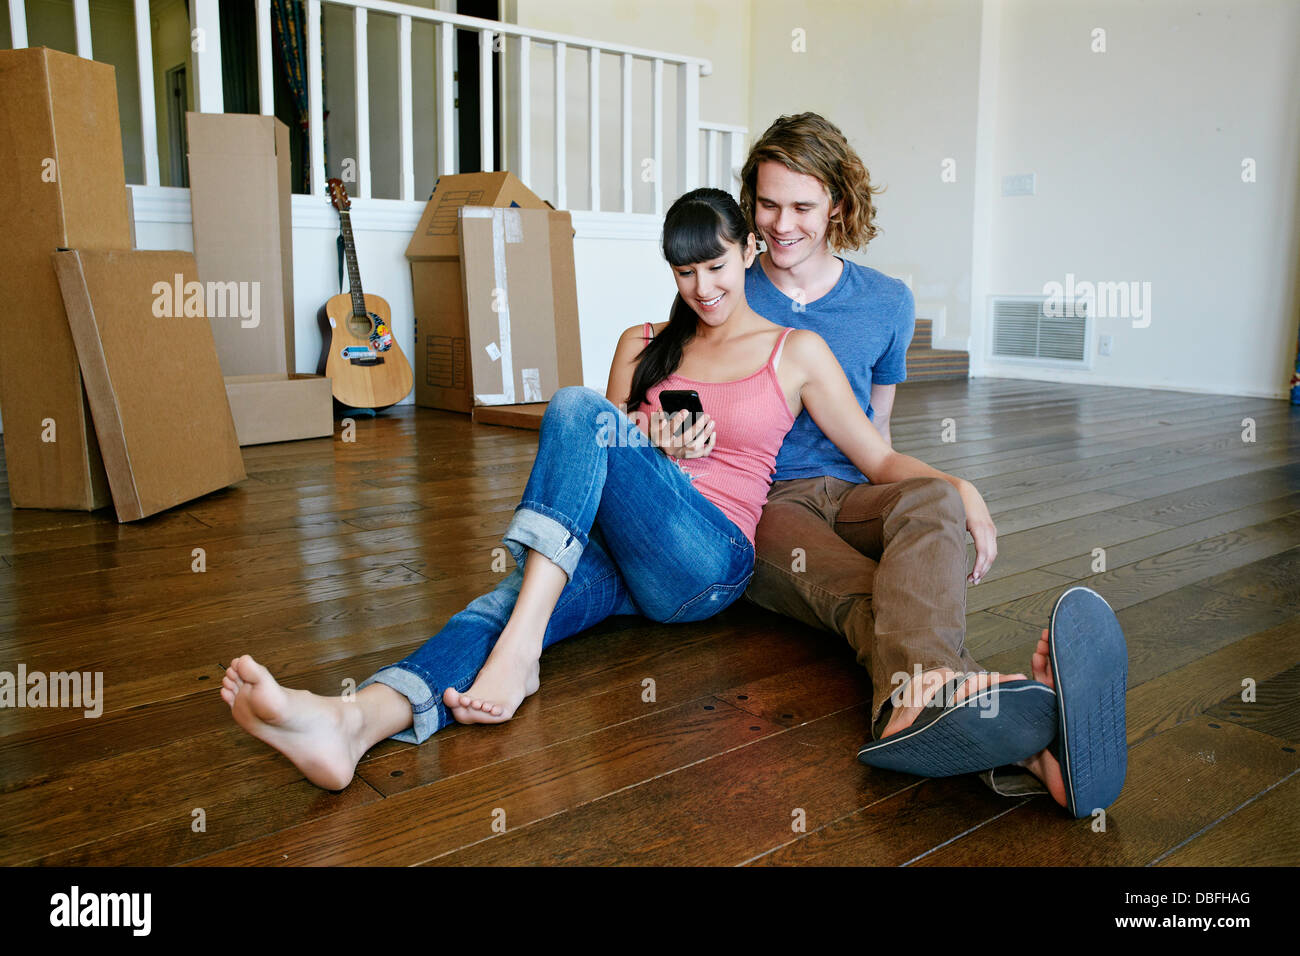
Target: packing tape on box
{"points": [[514, 225], [507, 394], [532, 384]]}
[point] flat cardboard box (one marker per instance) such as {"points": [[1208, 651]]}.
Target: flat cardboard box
{"points": [[274, 407], [63, 186], [512, 416], [441, 356], [152, 377], [240, 196], [521, 301]]}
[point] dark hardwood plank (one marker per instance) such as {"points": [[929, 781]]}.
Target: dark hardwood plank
{"points": [[1177, 783], [1263, 832]]}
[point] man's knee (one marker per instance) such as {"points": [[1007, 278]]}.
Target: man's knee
{"points": [[931, 496]]}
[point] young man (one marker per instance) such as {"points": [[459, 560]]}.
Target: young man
{"points": [[885, 565]]}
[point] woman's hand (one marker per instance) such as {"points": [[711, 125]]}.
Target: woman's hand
{"points": [[980, 525], [694, 442]]}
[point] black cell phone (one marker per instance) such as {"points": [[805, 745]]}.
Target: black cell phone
{"points": [[674, 400]]}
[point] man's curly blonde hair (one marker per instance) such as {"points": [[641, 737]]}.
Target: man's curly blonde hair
{"points": [[809, 143]]}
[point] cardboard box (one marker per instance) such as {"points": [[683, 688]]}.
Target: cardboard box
{"points": [[441, 359], [511, 416], [152, 376], [521, 300], [273, 407], [243, 234], [63, 186]]}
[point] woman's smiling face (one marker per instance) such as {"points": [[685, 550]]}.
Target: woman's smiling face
{"points": [[714, 288]]}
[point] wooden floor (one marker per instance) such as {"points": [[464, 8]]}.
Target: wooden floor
{"points": [[335, 558]]}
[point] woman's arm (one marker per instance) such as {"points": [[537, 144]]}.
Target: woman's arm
{"points": [[830, 401], [621, 369]]}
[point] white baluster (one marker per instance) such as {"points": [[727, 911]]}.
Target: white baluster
{"points": [[446, 134], [405, 115], [361, 31], [148, 106], [688, 125], [561, 175], [17, 24], [657, 134], [736, 140], [593, 121], [711, 177], [206, 23], [265, 74], [315, 99], [525, 110], [486, 117], [81, 16], [627, 132]]}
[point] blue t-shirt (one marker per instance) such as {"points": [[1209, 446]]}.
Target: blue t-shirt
{"points": [[867, 320]]}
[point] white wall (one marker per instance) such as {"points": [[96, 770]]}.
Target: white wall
{"points": [[1137, 153]]}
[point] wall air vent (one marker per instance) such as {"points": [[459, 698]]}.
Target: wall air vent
{"points": [[1024, 332]]}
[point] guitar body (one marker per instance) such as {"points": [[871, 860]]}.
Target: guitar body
{"points": [[366, 366]]}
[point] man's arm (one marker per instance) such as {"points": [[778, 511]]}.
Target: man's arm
{"points": [[882, 406], [830, 402]]}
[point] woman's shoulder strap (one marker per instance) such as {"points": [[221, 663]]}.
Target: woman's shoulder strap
{"points": [[780, 344]]}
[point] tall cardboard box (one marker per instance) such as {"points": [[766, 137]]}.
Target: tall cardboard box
{"points": [[521, 301], [63, 185], [240, 197], [241, 213], [152, 377], [441, 359]]}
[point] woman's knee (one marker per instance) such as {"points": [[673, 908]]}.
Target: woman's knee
{"points": [[575, 399]]}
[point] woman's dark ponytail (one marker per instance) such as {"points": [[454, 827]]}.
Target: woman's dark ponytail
{"points": [[695, 229]]}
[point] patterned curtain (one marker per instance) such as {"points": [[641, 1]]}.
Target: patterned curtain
{"points": [[289, 19]]}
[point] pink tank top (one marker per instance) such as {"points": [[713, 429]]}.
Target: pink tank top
{"points": [[751, 419]]}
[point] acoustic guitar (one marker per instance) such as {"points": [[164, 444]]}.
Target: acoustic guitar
{"points": [[365, 364]]}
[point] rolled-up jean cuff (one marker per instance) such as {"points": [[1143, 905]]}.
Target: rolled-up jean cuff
{"points": [[419, 690], [538, 527]]}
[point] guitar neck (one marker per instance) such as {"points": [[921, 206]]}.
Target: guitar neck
{"points": [[350, 256]]}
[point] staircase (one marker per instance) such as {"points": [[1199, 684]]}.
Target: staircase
{"points": [[927, 364]]}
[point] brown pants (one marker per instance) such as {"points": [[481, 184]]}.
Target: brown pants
{"points": [[883, 565]]}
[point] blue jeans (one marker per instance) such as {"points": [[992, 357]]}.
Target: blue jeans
{"points": [[623, 521]]}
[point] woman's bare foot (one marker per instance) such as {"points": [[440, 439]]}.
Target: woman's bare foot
{"points": [[321, 735], [931, 683], [1043, 765], [510, 674]]}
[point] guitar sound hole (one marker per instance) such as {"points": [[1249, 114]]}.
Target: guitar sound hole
{"points": [[359, 325]]}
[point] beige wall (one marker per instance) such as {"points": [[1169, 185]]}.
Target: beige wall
{"points": [[1138, 153], [896, 76]]}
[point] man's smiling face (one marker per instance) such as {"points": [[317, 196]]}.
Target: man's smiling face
{"points": [[792, 212]]}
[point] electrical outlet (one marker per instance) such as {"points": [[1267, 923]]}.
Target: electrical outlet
{"points": [[1019, 185], [1104, 344]]}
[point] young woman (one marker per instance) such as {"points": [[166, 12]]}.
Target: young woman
{"points": [[622, 514]]}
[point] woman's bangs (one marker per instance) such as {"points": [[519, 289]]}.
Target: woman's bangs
{"points": [[694, 236]]}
